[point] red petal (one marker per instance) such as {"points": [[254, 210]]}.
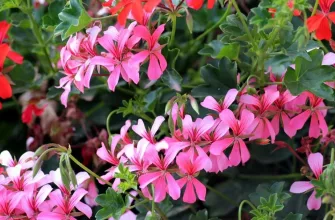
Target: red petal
{"points": [[195, 4], [150, 5], [5, 88], [331, 16], [4, 27], [15, 57], [210, 4], [122, 18], [137, 11], [27, 114], [4, 48], [314, 22], [323, 32]]}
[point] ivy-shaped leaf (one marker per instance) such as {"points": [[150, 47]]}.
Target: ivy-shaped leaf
{"points": [[8, 4], [73, 18], [201, 215], [217, 50], [112, 203], [128, 178], [172, 79], [51, 19], [310, 76]]}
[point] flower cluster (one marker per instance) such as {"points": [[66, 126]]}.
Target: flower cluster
{"points": [[43, 196], [204, 143], [6, 52], [80, 56]]}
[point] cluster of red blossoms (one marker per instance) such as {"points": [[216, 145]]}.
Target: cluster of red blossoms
{"points": [[6, 52]]}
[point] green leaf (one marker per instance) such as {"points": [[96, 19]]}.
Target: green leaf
{"points": [[128, 178], [23, 75], [8, 4], [201, 215], [64, 171], [292, 216], [172, 79], [73, 19], [310, 76], [51, 19], [217, 49], [20, 19], [112, 203]]}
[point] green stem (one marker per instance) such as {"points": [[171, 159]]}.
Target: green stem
{"points": [[271, 177], [332, 155], [223, 18], [107, 123], [38, 35], [139, 203], [223, 196], [244, 24], [94, 109], [241, 206], [174, 27], [82, 166], [146, 117], [315, 7], [102, 18], [153, 199], [126, 91]]}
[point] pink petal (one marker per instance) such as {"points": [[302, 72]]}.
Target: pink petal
{"points": [[147, 178], [199, 188], [228, 117], [301, 186], [298, 121], [211, 103], [235, 156], [140, 57], [50, 216], [160, 189], [247, 118], [245, 155], [157, 33], [230, 98], [162, 60], [143, 32], [314, 130], [140, 128], [329, 59], [315, 161], [154, 71], [313, 202], [76, 197], [270, 129], [289, 130], [275, 123], [218, 147], [322, 123], [189, 194], [84, 209], [113, 78], [173, 187], [157, 123], [250, 100], [42, 194]]}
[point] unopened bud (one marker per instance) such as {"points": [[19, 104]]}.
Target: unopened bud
{"points": [[262, 141], [328, 178], [251, 91], [194, 104]]}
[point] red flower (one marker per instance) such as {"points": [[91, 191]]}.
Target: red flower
{"points": [[197, 4], [131, 7], [30, 110], [320, 21], [5, 88]]}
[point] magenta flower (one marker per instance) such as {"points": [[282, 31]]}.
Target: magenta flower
{"points": [[315, 161], [317, 112], [76, 61], [65, 206], [157, 62], [281, 114], [118, 60], [33, 201], [212, 104], [26, 160], [190, 168], [148, 136], [261, 106], [241, 130], [9, 203], [162, 179], [136, 156]]}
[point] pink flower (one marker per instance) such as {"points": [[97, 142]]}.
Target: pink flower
{"points": [[315, 161], [240, 129], [329, 59], [281, 114], [76, 61], [261, 105], [65, 206], [157, 62], [33, 200], [212, 104], [118, 60], [26, 160], [57, 180], [9, 203], [190, 167], [162, 179], [136, 157], [317, 111], [148, 136], [191, 139]]}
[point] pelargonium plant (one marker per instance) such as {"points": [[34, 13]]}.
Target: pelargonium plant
{"points": [[149, 109]]}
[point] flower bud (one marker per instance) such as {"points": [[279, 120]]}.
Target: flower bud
{"points": [[328, 178], [251, 91], [262, 141]]}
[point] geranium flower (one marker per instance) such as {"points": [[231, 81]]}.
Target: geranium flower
{"points": [[320, 22], [157, 62], [212, 104], [31, 110], [315, 161], [189, 168], [197, 4]]}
